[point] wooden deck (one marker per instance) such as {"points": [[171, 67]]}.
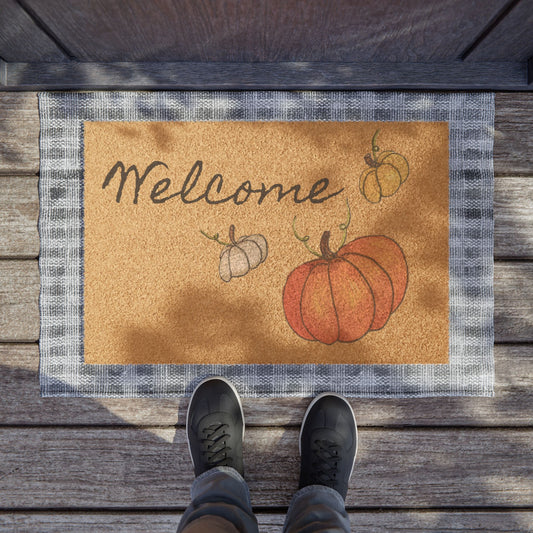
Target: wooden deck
{"points": [[432, 465]]}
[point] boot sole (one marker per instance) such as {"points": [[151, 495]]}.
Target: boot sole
{"points": [[227, 382], [315, 400]]}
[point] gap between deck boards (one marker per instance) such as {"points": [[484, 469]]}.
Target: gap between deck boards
{"points": [[363, 521]]}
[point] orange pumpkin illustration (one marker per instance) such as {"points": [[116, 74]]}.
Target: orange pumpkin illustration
{"points": [[388, 170], [343, 295]]}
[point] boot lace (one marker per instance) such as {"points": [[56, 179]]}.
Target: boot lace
{"points": [[326, 458], [214, 447]]}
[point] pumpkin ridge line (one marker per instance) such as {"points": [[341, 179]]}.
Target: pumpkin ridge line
{"points": [[260, 252], [404, 259], [367, 177], [263, 258], [333, 302], [229, 262], [246, 256], [379, 185], [399, 177], [391, 152], [408, 170], [361, 181], [267, 249], [299, 307], [300, 300], [374, 261], [371, 294], [391, 284]]}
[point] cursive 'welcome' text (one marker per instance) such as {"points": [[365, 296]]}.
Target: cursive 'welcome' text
{"points": [[191, 191]]}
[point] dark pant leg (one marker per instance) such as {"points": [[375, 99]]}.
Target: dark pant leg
{"points": [[317, 509], [210, 524], [220, 503]]}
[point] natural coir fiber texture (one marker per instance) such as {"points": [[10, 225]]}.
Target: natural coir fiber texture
{"points": [[153, 289]]}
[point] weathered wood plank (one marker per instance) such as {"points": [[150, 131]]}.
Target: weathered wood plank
{"points": [[19, 292], [513, 134], [136, 468], [513, 142], [444, 521], [248, 30], [19, 301], [21, 39], [19, 133], [513, 217], [510, 39], [19, 208], [513, 315], [512, 404], [505, 76]]}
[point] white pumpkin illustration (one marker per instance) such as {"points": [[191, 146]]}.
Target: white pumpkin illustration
{"points": [[240, 256]]}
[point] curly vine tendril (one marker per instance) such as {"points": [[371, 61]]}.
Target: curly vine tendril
{"points": [[303, 239], [214, 238], [343, 227]]}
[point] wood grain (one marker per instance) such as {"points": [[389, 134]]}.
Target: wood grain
{"points": [[19, 133], [21, 39], [511, 406], [513, 315], [510, 39], [445, 521], [19, 205], [301, 75], [19, 301], [513, 217], [19, 292], [137, 468], [513, 136], [248, 30]]}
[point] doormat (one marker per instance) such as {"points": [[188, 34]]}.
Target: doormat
{"points": [[265, 242], [294, 242]]}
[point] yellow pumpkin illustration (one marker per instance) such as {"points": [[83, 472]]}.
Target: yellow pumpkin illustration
{"points": [[387, 171]]}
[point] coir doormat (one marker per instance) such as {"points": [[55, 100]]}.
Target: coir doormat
{"points": [[294, 242]]}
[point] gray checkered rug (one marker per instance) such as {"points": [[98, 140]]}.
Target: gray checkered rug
{"points": [[471, 336]]}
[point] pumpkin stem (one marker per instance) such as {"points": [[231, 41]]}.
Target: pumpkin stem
{"points": [[232, 234], [324, 246], [370, 162], [214, 238], [375, 147]]}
